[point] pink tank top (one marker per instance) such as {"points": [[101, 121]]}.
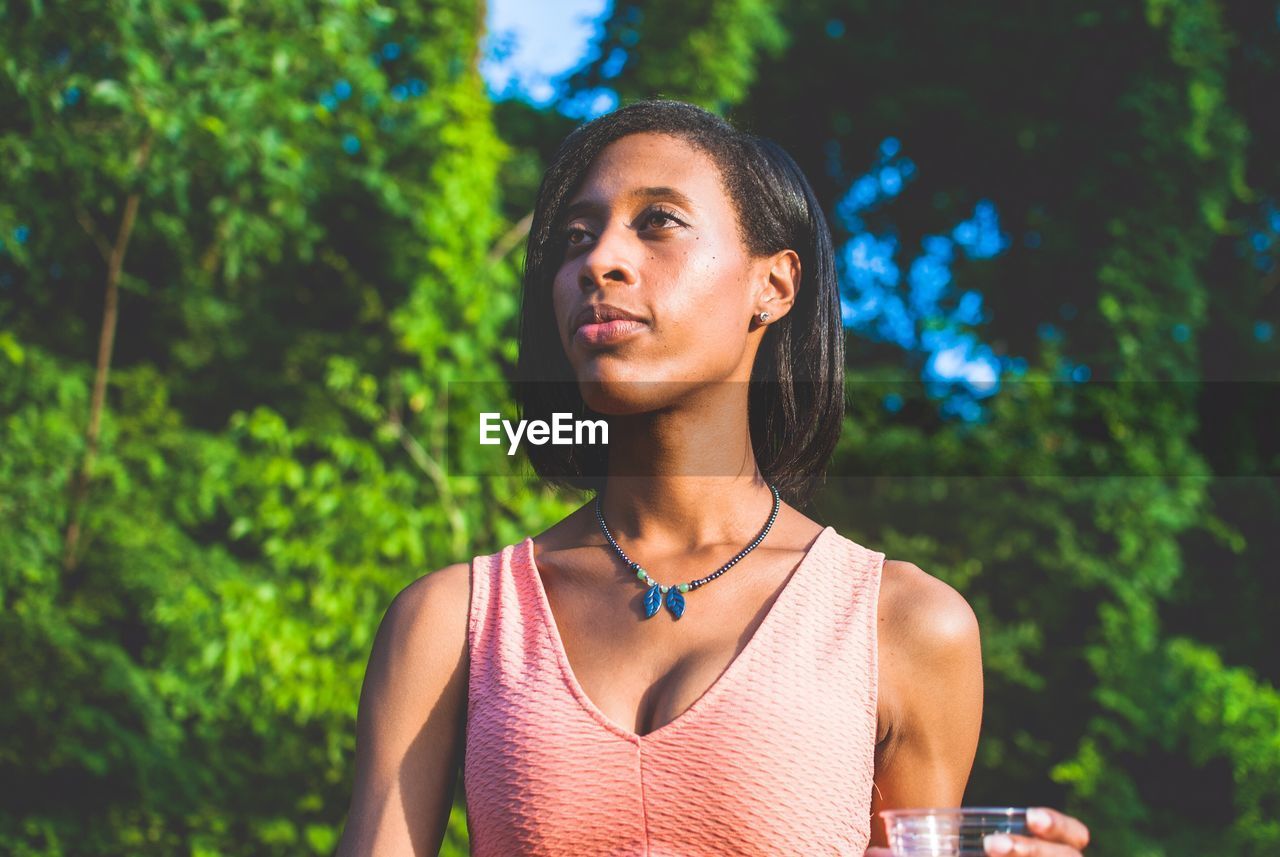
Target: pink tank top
{"points": [[775, 758]]}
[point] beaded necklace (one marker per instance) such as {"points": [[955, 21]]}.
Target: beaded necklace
{"points": [[675, 594]]}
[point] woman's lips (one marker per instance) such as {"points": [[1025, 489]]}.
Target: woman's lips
{"points": [[608, 332]]}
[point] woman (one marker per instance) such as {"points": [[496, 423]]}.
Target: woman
{"points": [[691, 665]]}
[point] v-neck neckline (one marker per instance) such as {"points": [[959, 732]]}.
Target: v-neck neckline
{"points": [[708, 695]]}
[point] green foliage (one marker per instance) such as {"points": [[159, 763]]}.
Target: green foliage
{"points": [[1193, 706], [1073, 552], [317, 203], [705, 53]]}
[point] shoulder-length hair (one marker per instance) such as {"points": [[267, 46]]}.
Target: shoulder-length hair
{"points": [[796, 395]]}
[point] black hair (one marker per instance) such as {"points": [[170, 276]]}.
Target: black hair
{"points": [[796, 396]]}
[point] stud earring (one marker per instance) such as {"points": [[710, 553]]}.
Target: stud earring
{"points": [[764, 316]]}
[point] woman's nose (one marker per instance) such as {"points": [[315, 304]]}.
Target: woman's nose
{"points": [[610, 259]]}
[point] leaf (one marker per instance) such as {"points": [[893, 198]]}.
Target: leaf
{"points": [[675, 602], [652, 601], [110, 92], [11, 349], [214, 125]]}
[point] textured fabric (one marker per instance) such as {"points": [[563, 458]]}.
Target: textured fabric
{"points": [[775, 758]]}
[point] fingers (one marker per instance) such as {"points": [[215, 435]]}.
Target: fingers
{"points": [[1008, 845], [1056, 835], [1055, 826]]}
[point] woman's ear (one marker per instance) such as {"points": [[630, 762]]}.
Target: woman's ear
{"points": [[782, 280]]}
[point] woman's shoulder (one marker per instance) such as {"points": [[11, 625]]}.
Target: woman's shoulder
{"points": [[430, 614], [921, 612], [930, 666], [435, 590]]}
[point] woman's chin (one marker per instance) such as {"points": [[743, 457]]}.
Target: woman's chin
{"points": [[622, 396], [617, 398]]}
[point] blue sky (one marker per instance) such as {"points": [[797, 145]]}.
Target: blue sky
{"points": [[529, 44]]}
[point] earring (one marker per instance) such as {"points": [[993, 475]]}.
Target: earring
{"points": [[764, 316]]}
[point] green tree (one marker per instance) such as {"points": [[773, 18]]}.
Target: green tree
{"points": [[213, 487]]}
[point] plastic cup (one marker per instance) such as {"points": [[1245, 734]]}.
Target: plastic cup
{"points": [[949, 832]]}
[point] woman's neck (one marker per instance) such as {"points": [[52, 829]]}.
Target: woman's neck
{"points": [[686, 476]]}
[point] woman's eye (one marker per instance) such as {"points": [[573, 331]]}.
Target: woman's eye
{"points": [[576, 236], [660, 215]]}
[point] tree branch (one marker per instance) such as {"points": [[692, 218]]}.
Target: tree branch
{"points": [[91, 229], [106, 343], [510, 238], [428, 465]]}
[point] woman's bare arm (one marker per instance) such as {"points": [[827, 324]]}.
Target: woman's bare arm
{"points": [[931, 663], [411, 721], [931, 678]]}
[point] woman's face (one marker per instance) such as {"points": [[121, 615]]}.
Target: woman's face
{"points": [[652, 233]]}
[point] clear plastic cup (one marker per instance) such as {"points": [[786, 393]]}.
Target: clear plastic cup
{"points": [[949, 832]]}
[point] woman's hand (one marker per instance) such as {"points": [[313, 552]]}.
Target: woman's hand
{"points": [[1056, 835]]}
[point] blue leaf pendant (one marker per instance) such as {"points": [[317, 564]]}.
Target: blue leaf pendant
{"points": [[675, 602], [652, 601]]}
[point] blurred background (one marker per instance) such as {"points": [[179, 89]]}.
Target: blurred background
{"points": [[244, 248]]}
